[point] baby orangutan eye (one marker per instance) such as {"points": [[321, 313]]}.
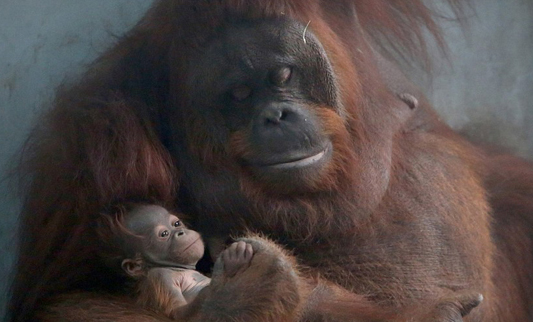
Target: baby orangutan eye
{"points": [[177, 223], [241, 92], [164, 233], [280, 76]]}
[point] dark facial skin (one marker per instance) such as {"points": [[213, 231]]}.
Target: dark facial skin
{"points": [[264, 91], [166, 240]]}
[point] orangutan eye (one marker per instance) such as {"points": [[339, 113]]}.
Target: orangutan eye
{"points": [[240, 93], [164, 233], [280, 76], [177, 223]]}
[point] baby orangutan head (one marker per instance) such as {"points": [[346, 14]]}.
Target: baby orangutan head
{"points": [[146, 236]]}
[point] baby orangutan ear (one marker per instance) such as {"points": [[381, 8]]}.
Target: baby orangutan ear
{"points": [[133, 267]]}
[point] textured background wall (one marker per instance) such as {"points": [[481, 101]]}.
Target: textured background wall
{"points": [[486, 91]]}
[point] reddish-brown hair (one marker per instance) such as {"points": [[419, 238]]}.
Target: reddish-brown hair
{"points": [[106, 138], [116, 241]]}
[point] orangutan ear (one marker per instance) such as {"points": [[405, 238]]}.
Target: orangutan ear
{"points": [[133, 267]]}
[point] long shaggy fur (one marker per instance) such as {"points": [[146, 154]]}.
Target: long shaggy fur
{"points": [[411, 209]]}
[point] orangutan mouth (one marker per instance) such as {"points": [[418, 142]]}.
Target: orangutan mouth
{"points": [[303, 162], [194, 242]]}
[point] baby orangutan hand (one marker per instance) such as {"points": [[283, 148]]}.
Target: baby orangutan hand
{"points": [[237, 258]]}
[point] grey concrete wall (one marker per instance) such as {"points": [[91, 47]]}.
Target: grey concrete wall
{"points": [[486, 88], [488, 92]]}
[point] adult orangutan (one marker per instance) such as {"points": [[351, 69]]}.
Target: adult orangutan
{"points": [[281, 117]]}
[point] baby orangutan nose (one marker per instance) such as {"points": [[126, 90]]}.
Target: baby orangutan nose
{"points": [[180, 233]]}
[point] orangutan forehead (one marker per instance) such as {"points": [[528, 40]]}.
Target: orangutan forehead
{"points": [[246, 51], [284, 37], [144, 217]]}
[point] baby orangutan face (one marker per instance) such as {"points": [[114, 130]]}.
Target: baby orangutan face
{"points": [[165, 240]]}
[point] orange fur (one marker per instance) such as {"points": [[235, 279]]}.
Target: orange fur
{"points": [[406, 214]]}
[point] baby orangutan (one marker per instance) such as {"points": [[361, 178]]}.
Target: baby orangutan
{"points": [[151, 246], [160, 254]]}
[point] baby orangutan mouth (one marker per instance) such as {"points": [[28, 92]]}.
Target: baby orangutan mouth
{"points": [[192, 244]]}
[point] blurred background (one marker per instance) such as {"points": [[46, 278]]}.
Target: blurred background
{"points": [[484, 88]]}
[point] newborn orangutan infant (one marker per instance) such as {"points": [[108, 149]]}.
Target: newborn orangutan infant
{"points": [[153, 247], [160, 253]]}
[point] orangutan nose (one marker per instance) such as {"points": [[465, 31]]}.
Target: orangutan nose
{"points": [[180, 233]]}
